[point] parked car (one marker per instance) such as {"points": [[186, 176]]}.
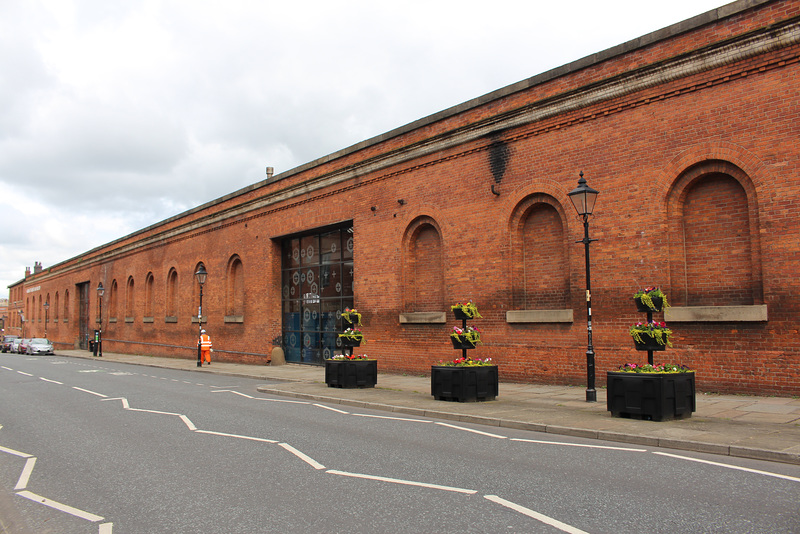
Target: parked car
{"points": [[15, 344], [8, 341], [39, 345], [22, 345]]}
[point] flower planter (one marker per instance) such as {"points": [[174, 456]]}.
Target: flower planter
{"points": [[655, 396], [459, 313], [658, 302], [462, 384], [350, 342], [351, 373], [650, 343], [462, 343]]}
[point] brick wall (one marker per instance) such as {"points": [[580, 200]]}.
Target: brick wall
{"points": [[690, 135]]}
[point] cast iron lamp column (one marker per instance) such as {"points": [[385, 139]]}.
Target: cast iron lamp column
{"points": [[201, 275], [99, 341], [46, 317], [583, 198]]}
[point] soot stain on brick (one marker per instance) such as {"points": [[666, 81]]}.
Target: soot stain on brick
{"points": [[499, 154]]}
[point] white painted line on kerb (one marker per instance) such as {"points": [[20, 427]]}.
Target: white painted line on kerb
{"points": [[392, 418], [105, 528], [51, 381], [473, 431], [92, 392], [235, 436], [15, 453], [329, 408], [579, 445], [404, 482], [60, 506], [747, 469], [23, 373], [535, 515], [310, 461], [25, 476]]}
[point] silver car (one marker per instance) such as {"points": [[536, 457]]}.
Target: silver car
{"points": [[39, 345]]}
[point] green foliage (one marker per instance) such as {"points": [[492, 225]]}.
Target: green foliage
{"points": [[646, 296], [663, 368], [469, 309]]}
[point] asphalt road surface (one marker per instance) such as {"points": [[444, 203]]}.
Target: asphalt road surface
{"points": [[94, 446]]}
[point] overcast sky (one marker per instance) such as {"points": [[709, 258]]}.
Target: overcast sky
{"points": [[117, 115]]}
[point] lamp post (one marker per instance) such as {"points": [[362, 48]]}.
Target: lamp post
{"points": [[201, 275], [98, 340], [46, 316], [583, 198]]}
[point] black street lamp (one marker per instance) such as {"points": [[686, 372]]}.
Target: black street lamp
{"points": [[201, 275], [22, 322], [46, 317], [583, 198], [98, 340]]}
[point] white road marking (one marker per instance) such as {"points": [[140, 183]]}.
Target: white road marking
{"points": [[188, 422], [535, 515], [579, 445], [6, 368], [23, 373], [236, 436], [472, 430], [400, 481], [25, 476], [51, 381], [747, 469], [15, 453], [281, 400], [329, 408], [105, 528], [123, 399], [92, 392], [91, 371], [230, 391], [392, 418], [60, 506], [310, 461]]}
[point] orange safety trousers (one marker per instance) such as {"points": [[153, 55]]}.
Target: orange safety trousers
{"points": [[205, 348]]}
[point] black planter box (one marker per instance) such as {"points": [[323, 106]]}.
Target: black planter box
{"points": [[650, 343], [462, 343], [459, 313], [351, 373], [658, 302], [350, 342], [651, 395], [464, 384]]}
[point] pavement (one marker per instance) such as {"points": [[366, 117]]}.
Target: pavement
{"points": [[763, 428]]}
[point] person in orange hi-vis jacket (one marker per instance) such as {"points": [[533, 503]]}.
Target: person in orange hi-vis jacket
{"points": [[205, 347]]}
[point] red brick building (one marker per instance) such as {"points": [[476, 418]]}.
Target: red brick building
{"points": [[689, 133]]}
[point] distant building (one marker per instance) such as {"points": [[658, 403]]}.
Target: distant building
{"points": [[690, 134]]}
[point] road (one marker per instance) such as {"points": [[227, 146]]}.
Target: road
{"points": [[95, 446]]}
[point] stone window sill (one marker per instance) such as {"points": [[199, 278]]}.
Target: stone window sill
{"points": [[700, 314], [539, 316], [423, 318], [234, 318]]}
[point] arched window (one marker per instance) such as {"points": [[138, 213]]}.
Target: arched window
{"points": [[234, 288], [130, 308], [55, 307], [66, 305], [112, 302], [714, 244], [172, 294], [148, 295], [424, 267]]}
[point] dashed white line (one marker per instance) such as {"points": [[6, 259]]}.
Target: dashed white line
{"points": [[51, 381], [251, 438], [746, 469], [578, 445], [6, 368], [307, 459], [23, 373], [60, 506], [472, 430], [330, 408], [401, 481], [535, 515], [88, 391]]}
